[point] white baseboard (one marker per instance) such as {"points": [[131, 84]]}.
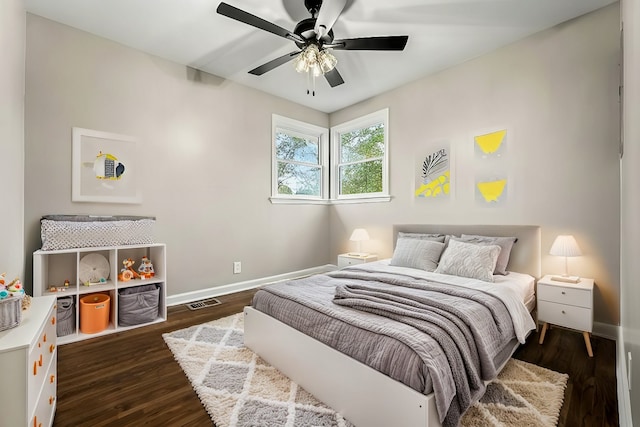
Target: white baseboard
{"points": [[605, 330], [217, 291]]}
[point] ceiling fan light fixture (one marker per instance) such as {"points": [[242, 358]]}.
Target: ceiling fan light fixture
{"points": [[315, 61]]}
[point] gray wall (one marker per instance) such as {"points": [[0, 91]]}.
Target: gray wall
{"points": [[556, 93], [12, 51], [630, 206], [206, 156]]}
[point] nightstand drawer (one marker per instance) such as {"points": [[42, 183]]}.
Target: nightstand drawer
{"points": [[346, 260], [565, 295], [565, 315]]}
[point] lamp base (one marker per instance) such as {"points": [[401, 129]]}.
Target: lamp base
{"points": [[566, 279]]}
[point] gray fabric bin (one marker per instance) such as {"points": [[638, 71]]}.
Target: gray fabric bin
{"points": [[138, 305], [84, 231], [65, 316]]}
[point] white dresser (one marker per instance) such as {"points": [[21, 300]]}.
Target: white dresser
{"points": [[566, 304], [28, 374]]}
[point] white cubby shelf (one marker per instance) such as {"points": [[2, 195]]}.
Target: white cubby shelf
{"points": [[53, 268]]}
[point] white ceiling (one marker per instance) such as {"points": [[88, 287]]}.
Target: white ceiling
{"points": [[190, 32]]}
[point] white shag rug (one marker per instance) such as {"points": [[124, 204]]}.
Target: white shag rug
{"points": [[239, 389]]}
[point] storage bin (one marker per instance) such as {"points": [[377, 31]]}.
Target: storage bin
{"points": [[94, 313], [66, 316], [86, 231], [138, 305], [10, 312]]}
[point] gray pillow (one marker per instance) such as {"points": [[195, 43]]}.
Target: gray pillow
{"points": [[505, 243], [422, 236], [469, 260], [422, 254]]}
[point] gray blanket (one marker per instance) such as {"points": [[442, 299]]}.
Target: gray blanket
{"points": [[470, 327], [456, 337]]}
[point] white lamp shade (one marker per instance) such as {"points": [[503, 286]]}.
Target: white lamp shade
{"points": [[565, 245], [359, 234]]}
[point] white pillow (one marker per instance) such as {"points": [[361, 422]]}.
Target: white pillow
{"points": [[469, 260], [422, 254]]}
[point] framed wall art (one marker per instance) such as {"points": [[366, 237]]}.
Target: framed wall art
{"points": [[105, 167]]}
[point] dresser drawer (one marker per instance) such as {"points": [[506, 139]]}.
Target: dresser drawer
{"points": [[45, 404], [41, 357], [565, 295], [565, 315]]}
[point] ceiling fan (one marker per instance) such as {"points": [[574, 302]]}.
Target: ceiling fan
{"points": [[314, 39]]}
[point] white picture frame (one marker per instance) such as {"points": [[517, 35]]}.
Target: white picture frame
{"points": [[105, 167]]}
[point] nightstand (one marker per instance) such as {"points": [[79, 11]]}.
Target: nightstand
{"points": [[566, 304], [345, 260]]}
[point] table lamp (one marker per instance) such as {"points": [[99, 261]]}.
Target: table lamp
{"points": [[358, 235], [566, 246]]}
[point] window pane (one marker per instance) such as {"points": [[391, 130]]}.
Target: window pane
{"points": [[298, 179], [363, 177], [362, 144], [289, 147]]}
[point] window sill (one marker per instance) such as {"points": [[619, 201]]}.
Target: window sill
{"points": [[292, 201]]}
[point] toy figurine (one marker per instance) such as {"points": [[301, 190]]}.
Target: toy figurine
{"points": [[146, 268], [128, 273]]}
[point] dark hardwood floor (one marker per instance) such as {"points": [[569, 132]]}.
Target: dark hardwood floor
{"points": [[131, 379]]}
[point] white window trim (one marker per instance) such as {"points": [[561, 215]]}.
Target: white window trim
{"points": [[302, 128], [361, 122]]}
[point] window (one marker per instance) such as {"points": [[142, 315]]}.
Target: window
{"points": [[300, 160], [360, 158]]}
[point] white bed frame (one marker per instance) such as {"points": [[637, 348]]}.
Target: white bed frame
{"points": [[361, 394]]}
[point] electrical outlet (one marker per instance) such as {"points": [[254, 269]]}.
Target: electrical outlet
{"points": [[237, 267]]}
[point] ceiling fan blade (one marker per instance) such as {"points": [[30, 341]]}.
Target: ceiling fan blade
{"points": [[247, 18], [334, 78], [329, 12], [258, 71], [371, 43]]}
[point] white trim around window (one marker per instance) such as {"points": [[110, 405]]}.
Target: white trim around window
{"points": [[313, 135], [380, 117]]}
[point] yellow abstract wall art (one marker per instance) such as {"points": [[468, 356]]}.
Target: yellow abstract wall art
{"points": [[491, 144], [435, 176], [492, 191]]}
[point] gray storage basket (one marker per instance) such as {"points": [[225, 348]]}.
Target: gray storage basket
{"points": [[10, 312], [66, 316], [138, 305]]}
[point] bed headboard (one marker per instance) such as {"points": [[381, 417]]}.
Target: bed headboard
{"points": [[525, 255]]}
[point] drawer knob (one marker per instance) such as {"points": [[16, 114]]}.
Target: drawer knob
{"points": [[563, 293], [40, 361], [51, 348], [35, 368], [44, 338], [51, 400], [563, 312], [52, 378], [53, 320]]}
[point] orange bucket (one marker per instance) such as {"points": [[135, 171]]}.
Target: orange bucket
{"points": [[94, 313]]}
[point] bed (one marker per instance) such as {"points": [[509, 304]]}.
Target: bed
{"points": [[404, 387]]}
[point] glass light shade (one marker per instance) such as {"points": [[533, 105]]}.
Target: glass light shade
{"points": [[314, 61], [327, 61]]}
